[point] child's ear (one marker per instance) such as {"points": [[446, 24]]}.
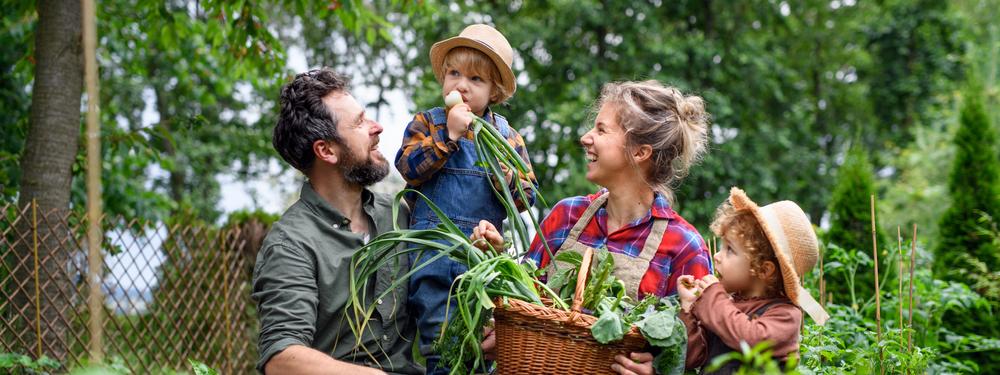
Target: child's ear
{"points": [[325, 151], [768, 270]]}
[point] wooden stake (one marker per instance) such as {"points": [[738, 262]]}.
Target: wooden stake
{"points": [[822, 281], [878, 302], [913, 257], [899, 238], [95, 266]]}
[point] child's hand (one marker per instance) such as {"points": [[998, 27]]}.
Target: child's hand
{"points": [[706, 281], [459, 118], [687, 291], [508, 174], [485, 235]]}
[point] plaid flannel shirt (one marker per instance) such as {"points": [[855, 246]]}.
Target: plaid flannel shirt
{"points": [[681, 252], [426, 147]]}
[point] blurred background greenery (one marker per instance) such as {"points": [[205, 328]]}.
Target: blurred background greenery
{"points": [[823, 102]]}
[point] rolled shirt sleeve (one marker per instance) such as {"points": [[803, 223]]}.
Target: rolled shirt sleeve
{"points": [[286, 294]]}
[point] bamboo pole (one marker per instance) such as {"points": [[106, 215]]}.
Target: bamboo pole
{"points": [[878, 302], [899, 295], [913, 257], [96, 263], [822, 281]]}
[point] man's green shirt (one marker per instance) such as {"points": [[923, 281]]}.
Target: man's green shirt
{"points": [[301, 284]]}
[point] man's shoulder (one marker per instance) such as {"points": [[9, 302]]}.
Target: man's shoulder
{"points": [[285, 232]]}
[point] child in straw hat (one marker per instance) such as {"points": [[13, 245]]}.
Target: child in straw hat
{"points": [[758, 295], [438, 157]]}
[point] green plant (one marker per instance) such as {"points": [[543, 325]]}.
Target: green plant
{"points": [[851, 223], [755, 360], [657, 320], [846, 264], [14, 363], [496, 155], [201, 368], [974, 187], [491, 274], [496, 275]]}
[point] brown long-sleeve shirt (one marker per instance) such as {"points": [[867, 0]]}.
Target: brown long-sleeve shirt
{"points": [[730, 319]]}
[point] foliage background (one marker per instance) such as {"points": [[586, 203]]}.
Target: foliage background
{"points": [[188, 90]]}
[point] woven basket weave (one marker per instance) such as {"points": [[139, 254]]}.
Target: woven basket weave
{"points": [[533, 339]]}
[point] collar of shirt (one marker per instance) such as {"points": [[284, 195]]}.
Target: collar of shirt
{"points": [[660, 209], [327, 212], [488, 116]]}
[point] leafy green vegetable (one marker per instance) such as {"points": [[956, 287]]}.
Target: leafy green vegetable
{"points": [[608, 328], [491, 274], [655, 318], [658, 327]]}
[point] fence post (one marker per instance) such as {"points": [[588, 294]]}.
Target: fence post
{"points": [[38, 293], [96, 263], [225, 285]]}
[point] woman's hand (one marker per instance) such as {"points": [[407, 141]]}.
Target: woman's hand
{"points": [[489, 344], [485, 235], [459, 118], [687, 291], [639, 364]]}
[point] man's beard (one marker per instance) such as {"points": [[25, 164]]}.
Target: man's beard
{"points": [[364, 172]]}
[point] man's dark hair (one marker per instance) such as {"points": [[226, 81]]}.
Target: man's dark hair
{"points": [[304, 118]]}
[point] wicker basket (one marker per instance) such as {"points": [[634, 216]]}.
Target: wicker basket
{"points": [[533, 339]]}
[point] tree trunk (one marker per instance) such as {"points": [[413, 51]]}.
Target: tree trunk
{"points": [[46, 173]]}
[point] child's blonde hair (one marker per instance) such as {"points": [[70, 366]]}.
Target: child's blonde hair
{"points": [[673, 124], [743, 227], [477, 63]]}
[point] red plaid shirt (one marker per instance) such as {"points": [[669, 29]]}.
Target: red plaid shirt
{"points": [[681, 252]]}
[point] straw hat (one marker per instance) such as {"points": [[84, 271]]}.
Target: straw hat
{"points": [[794, 243], [485, 39]]}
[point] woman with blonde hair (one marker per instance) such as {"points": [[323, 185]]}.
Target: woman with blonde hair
{"points": [[645, 138]]}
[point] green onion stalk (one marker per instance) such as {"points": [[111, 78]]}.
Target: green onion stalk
{"points": [[491, 274], [494, 151]]}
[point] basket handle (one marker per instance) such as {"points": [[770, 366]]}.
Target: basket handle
{"points": [[581, 279]]}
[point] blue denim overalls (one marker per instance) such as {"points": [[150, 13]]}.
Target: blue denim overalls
{"points": [[464, 192]]}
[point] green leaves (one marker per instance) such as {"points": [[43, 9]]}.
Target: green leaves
{"points": [[608, 328], [600, 281], [755, 360], [659, 327], [560, 278], [490, 275], [14, 362], [201, 368], [655, 318]]}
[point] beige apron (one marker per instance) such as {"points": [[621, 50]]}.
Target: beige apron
{"points": [[629, 269]]}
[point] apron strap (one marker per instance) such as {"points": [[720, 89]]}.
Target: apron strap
{"points": [[649, 248], [584, 219], [653, 241]]}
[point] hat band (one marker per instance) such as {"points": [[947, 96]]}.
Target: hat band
{"points": [[811, 307]]}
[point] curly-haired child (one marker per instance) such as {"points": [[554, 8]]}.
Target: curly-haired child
{"points": [[758, 295]]}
